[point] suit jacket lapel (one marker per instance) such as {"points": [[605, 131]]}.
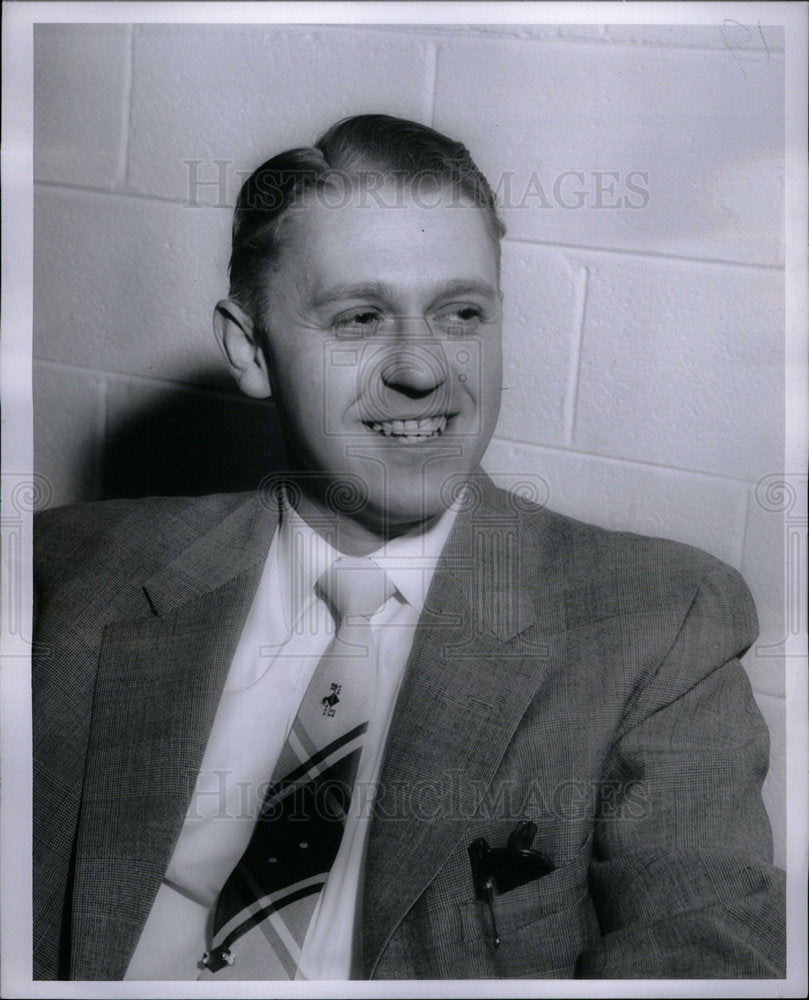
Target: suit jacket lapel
{"points": [[158, 688], [469, 681]]}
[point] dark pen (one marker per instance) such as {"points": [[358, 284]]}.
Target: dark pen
{"points": [[500, 869]]}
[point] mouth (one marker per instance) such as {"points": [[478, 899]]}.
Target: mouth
{"points": [[409, 431]]}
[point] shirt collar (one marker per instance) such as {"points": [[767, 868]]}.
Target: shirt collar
{"points": [[304, 555]]}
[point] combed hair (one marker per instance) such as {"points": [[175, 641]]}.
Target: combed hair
{"points": [[364, 146]]}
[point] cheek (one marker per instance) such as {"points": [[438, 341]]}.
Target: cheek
{"points": [[315, 393], [298, 374]]}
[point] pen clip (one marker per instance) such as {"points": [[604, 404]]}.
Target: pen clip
{"points": [[488, 888]]}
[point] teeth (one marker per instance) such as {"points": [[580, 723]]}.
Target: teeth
{"points": [[410, 431]]}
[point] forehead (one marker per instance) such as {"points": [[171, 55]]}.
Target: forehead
{"points": [[404, 237]]}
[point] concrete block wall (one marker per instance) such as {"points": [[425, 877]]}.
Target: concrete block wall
{"points": [[640, 173]]}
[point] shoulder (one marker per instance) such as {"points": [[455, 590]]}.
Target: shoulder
{"points": [[604, 573], [581, 545], [83, 549], [140, 524]]}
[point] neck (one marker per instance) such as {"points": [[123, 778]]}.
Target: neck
{"points": [[350, 536]]}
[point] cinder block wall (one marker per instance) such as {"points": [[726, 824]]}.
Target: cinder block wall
{"points": [[641, 175]]}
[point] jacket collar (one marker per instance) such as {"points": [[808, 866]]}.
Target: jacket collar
{"points": [[483, 556], [232, 547]]}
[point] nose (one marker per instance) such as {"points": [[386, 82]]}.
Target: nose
{"points": [[416, 364], [414, 373]]}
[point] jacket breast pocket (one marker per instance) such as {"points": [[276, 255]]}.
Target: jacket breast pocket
{"points": [[542, 926]]}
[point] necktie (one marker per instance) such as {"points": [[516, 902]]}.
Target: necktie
{"points": [[265, 906]]}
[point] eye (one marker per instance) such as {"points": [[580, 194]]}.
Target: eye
{"points": [[357, 324], [459, 321]]}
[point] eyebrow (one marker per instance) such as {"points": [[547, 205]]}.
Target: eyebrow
{"points": [[382, 290]]}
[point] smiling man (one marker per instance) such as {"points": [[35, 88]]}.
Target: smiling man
{"points": [[382, 719]]}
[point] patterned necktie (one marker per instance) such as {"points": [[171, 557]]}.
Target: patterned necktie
{"points": [[265, 906]]}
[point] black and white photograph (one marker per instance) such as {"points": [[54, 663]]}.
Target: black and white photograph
{"points": [[404, 499]]}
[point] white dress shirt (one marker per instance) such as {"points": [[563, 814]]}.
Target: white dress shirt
{"points": [[287, 630]]}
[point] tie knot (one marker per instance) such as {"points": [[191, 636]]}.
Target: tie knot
{"points": [[354, 587]]}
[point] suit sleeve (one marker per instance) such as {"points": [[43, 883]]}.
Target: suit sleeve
{"points": [[681, 875]]}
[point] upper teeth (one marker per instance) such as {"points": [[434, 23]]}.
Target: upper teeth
{"points": [[411, 428]]}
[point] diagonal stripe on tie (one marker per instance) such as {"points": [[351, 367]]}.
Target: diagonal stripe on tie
{"points": [[253, 915], [301, 743], [269, 904], [309, 768], [273, 938]]}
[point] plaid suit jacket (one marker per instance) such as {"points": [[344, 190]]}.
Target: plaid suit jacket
{"points": [[582, 679]]}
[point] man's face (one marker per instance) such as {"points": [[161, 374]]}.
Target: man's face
{"points": [[384, 340]]}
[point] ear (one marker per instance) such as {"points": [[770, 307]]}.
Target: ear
{"points": [[243, 353]]}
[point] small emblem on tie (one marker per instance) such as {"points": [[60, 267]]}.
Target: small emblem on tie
{"points": [[331, 700]]}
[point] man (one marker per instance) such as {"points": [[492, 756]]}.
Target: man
{"points": [[558, 761]]}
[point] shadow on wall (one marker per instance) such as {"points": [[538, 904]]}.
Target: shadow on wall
{"points": [[182, 442]]}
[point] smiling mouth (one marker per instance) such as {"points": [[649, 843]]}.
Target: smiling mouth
{"points": [[409, 431]]}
